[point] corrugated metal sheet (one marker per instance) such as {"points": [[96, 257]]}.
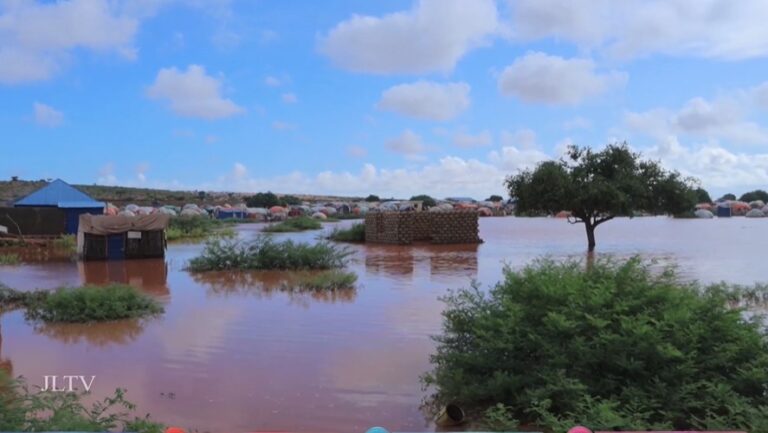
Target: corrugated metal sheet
{"points": [[57, 193]]}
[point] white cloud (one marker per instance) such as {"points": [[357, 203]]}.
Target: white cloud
{"points": [[36, 39], [467, 140], [408, 144], [761, 95], [542, 78], [272, 81], [577, 122], [723, 118], [107, 174], [721, 29], [192, 93], [512, 159], [45, 115], [431, 37], [523, 138], [426, 100], [289, 98], [282, 126], [141, 172], [357, 151]]}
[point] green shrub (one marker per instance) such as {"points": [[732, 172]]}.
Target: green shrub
{"points": [[93, 304], [10, 259], [265, 253], [614, 346], [66, 243], [25, 411], [196, 228], [297, 224], [354, 233]]}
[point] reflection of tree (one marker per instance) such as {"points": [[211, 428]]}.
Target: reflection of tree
{"points": [[265, 284], [5, 364], [100, 334]]}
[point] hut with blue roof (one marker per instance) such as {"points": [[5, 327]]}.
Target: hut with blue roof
{"points": [[61, 195]]}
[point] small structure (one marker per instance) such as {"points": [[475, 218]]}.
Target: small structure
{"points": [[231, 213], [102, 237], [61, 195], [404, 228]]}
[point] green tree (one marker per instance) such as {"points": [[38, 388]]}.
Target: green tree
{"points": [[372, 198], [495, 198], [597, 186], [727, 197], [290, 200], [757, 194], [702, 196], [262, 199], [426, 200]]}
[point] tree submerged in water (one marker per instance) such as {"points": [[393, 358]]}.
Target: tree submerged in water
{"points": [[597, 186]]}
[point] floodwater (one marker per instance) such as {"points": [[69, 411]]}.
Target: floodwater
{"points": [[235, 353]]}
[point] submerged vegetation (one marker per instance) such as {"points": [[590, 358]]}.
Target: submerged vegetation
{"points": [[354, 233], [82, 304], [331, 280], [612, 346], [297, 224], [265, 253], [9, 259], [197, 228], [23, 410]]}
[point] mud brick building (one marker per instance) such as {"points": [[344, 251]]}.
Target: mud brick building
{"points": [[404, 228]]}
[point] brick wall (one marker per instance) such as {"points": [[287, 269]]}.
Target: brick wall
{"points": [[458, 227]]}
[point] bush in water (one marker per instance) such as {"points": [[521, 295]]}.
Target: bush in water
{"points": [[355, 233], [265, 253], [297, 224], [612, 346]]}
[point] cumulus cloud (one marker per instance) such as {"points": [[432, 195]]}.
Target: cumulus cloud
{"points": [[357, 151], [467, 140], [722, 118], [45, 115], [141, 172], [37, 38], [107, 174], [721, 29], [192, 93], [426, 100], [542, 78], [408, 144], [432, 36], [523, 138]]}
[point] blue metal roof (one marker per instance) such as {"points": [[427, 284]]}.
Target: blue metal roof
{"points": [[58, 194], [81, 204]]}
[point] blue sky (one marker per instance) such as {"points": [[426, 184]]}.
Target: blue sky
{"points": [[444, 97]]}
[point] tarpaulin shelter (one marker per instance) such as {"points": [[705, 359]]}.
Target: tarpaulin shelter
{"points": [[59, 194], [102, 237]]}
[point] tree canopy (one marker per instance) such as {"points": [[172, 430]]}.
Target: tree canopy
{"points": [[262, 199], [425, 200], [372, 198], [757, 194], [596, 186], [290, 200], [702, 196], [727, 197], [495, 198]]}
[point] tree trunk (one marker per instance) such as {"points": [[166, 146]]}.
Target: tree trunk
{"points": [[590, 236]]}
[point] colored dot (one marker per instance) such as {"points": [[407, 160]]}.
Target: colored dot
{"points": [[377, 430], [579, 429]]}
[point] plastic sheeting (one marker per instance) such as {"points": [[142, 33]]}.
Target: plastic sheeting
{"points": [[107, 225]]}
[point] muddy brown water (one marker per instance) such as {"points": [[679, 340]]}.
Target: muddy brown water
{"points": [[235, 353]]}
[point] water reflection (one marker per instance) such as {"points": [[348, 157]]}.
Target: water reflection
{"points": [[454, 260], [388, 260], [100, 335], [266, 284], [149, 275], [401, 262]]}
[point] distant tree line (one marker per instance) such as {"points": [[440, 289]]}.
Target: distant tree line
{"points": [[269, 199]]}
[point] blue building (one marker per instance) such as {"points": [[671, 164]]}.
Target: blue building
{"points": [[59, 194]]}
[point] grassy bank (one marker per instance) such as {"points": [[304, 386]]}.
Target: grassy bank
{"points": [[196, 228], [613, 346], [81, 304], [297, 224], [265, 253], [9, 259], [355, 233], [23, 410]]}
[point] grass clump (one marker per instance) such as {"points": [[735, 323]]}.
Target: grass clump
{"points": [[326, 281], [91, 304], [614, 346], [22, 410], [297, 224], [197, 228], [67, 243], [355, 233], [10, 259], [265, 253]]}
